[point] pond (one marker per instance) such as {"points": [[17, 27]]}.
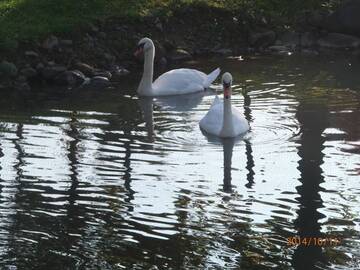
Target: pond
{"points": [[105, 180]]}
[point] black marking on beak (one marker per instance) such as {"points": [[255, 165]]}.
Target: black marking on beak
{"points": [[226, 85], [139, 49]]}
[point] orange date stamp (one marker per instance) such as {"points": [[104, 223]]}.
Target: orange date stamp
{"points": [[313, 241]]}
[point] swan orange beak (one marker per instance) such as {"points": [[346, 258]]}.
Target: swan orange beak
{"points": [[227, 90]]}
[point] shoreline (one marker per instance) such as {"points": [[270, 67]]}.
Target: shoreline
{"points": [[102, 54]]}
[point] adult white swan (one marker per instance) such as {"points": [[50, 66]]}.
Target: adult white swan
{"points": [[223, 119], [174, 82]]}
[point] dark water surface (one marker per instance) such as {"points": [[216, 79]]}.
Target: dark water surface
{"points": [[100, 180]]}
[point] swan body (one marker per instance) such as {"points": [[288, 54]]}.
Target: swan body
{"points": [[223, 119], [174, 82]]}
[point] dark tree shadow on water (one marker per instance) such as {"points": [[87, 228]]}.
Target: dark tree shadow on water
{"points": [[313, 121]]}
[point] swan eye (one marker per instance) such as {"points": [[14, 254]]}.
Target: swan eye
{"points": [[141, 46]]}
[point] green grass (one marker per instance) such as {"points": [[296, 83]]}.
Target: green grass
{"points": [[30, 19], [23, 19]]}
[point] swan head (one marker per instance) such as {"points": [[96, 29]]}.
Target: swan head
{"points": [[143, 46], [227, 81]]}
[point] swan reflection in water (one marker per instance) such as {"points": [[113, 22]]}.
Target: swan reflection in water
{"points": [[249, 157], [184, 103], [146, 106], [180, 103], [228, 146]]}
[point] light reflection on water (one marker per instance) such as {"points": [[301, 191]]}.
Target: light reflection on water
{"points": [[110, 181]]}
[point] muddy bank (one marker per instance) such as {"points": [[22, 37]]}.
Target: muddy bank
{"points": [[101, 54]]}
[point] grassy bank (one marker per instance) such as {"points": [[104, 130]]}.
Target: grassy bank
{"points": [[30, 19]]}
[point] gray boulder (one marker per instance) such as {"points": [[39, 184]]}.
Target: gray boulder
{"points": [[279, 49], [309, 52], [346, 19], [339, 41], [118, 74], [50, 43], [222, 51], [31, 54], [308, 40], [179, 55], [8, 69], [109, 57], [66, 42], [263, 39], [39, 66], [88, 70], [96, 83], [103, 73], [28, 72], [51, 72], [72, 78], [21, 84], [290, 39]]}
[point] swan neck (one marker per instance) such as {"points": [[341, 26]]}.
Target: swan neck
{"points": [[145, 87], [227, 128]]}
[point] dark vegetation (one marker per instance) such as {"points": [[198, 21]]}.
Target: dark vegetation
{"points": [[29, 19]]}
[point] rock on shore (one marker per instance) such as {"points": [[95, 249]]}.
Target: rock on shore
{"points": [[345, 20]]}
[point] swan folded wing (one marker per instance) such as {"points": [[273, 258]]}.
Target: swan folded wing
{"points": [[179, 81], [213, 120]]}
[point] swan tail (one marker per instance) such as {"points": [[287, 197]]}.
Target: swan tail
{"points": [[211, 77]]}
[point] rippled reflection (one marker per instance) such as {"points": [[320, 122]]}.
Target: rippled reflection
{"points": [[311, 143], [228, 145], [106, 180]]}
